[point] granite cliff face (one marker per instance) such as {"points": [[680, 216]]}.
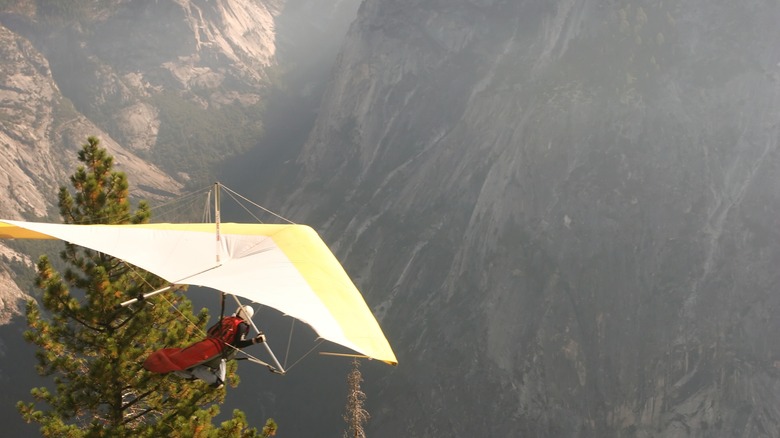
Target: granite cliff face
{"points": [[41, 133], [564, 212], [171, 87], [40, 136], [146, 78], [155, 76]]}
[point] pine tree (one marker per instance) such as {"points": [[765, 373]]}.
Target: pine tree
{"points": [[269, 429], [94, 350], [356, 415]]}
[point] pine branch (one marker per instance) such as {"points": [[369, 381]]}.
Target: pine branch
{"points": [[136, 416], [136, 400], [70, 314]]}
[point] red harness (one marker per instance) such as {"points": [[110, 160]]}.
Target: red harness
{"points": [[220, 335], [228, 330]]}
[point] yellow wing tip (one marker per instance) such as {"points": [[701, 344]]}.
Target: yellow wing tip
{"points": [[10, 230]]}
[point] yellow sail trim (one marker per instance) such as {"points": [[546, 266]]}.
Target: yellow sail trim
{"points": [[314, 261], [324, 277], [9, 231]]}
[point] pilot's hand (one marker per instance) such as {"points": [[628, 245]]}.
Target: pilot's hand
{"points": [[259, 339]]}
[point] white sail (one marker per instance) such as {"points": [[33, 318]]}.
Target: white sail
{"points": [[287, 267]]}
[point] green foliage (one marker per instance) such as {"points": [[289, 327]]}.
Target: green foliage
{"points": [[270, 428], [194, 139], [70, 10], [65, 9], [93, 350]]}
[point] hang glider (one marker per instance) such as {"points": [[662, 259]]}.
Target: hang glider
{"points": [[284, 266]]}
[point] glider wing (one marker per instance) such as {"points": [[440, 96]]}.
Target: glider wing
{"points": [[287, 267]]}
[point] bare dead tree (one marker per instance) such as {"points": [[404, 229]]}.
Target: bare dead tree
{"points": [[356, 415]]}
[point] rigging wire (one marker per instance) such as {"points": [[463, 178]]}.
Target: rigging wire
{"points": [[206, 217], [184, 197], [245, 199], [173, 208], [304, 356], [245, 209], [289, 341], [186, 201]]}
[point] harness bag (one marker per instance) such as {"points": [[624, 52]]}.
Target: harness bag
{"points": [[206, 352], [226, 330]]}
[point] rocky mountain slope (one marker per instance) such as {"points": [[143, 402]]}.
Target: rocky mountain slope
{"points": [[154, 81], [149, 74], [42, 132], [565, 213], [173, 88]]}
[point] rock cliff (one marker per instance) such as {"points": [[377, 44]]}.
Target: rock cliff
{"points": [[565, 213], [161, 77], [172, 88], [157, 82], [40, 136]]}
